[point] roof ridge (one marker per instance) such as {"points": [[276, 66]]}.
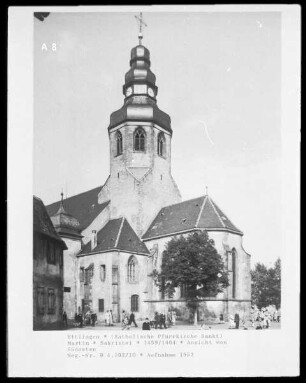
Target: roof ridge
{"points": [[227, 219], [76, 195], [201, 211], [119, 231], [215, 210], [177, 203]]}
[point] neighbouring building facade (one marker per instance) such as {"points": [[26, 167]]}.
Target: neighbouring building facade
{"points": [[48, 277], [115, 234]]}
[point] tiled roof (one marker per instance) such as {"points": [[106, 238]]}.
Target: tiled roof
{"points": [[117, 234], [197, 213], [42, 223], [84, 207], [65, 224]]}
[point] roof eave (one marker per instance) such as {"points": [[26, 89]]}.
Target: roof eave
{"points": [[190, 230], [110, 250]]}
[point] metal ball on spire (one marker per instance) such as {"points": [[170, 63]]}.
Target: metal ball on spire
{"points": [[141, 23]]}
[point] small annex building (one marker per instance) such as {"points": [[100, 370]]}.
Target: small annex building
{"points": [[48, 277]]}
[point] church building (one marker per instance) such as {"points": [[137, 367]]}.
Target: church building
{"points": [[116, 233]]}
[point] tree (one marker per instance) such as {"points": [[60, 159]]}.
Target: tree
{"points": [[192, 262], [266, 285]]}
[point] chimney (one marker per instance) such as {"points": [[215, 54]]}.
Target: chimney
{"points": [[93, 239]]}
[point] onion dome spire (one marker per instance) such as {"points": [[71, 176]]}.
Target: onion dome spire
{"points": [[64, 223], [140, 91]]}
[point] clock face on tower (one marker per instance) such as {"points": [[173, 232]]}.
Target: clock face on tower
{"points": [[128, 92], [151, 92]]}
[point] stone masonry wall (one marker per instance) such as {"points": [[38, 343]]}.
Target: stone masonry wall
{"points": [[140, 182]]}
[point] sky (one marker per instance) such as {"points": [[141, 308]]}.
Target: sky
{"points": [[219, 79]]}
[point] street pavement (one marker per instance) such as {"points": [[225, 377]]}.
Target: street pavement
{"points": [[178, 327]]}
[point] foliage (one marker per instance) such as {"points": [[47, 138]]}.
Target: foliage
{"points": [[266, 285], [192, 262]]}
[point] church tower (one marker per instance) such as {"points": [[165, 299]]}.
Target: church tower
{"points": [[140, 135]]}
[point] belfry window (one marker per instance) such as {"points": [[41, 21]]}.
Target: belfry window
{"points": [[161, 144], [139, 140], [119, 143]]}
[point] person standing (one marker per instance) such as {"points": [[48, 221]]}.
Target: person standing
{"points": [[93, 318], [237, 320], [65, 319], [107, 318], [163, 321], [279, 315], [173, 318], [169, 318], [156, 319], [132, 319], [111, 318], [231, 322]]}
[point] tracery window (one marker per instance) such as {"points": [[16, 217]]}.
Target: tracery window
{"points": [[161, 144], [234, 273], [163, 285], [139, 140], [132, 270], [119, 143], [183, 288]]}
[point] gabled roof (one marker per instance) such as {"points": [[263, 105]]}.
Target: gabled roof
{"points": [[84, 207], [117, 234], [42, 223], [197, 213]]}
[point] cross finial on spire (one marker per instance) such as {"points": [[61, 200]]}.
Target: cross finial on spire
{"points": [[206, 187], [62, 197], [141, 23]]}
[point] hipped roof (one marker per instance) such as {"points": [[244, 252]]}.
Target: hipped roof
{"points": [[197, 213], [117, 234]]}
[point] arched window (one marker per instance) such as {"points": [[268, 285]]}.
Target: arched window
{"points": [[119, 143], [162, 290], [234, 273], [183, 288], [139, 140], [132, 270], [161, 144], [134, 303]]}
